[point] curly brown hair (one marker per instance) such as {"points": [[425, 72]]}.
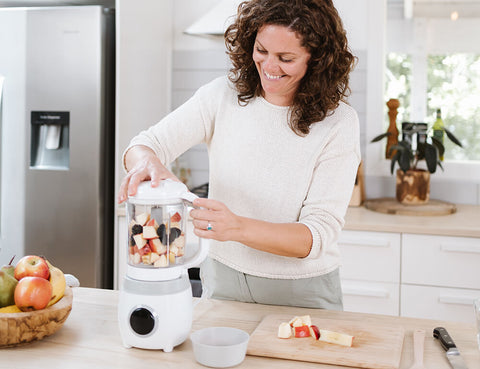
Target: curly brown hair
{"points": [[321, 30]]}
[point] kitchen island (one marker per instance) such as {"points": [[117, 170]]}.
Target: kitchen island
{"points": [[90, 337]]}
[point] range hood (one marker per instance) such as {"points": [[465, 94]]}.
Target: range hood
{"points": [[216, 20]]}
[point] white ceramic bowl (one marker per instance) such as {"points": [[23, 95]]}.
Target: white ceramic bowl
{"points": [[219, 347]]}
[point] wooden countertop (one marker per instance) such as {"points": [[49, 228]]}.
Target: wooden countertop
{"points": [[90, 337], [464, 223]]}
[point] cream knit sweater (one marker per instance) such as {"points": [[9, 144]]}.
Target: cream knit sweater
{"points": [[261, 169]]}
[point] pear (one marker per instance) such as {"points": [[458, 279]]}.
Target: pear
{"points": [[7, 285]]}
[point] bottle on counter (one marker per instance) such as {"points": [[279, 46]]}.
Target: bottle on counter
{"points": [[438, 129]]}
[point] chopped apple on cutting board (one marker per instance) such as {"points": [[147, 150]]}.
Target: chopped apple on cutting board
{"points": [[302, 326]]}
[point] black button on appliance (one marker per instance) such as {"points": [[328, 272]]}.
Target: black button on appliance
{"points": [[142, 321]]}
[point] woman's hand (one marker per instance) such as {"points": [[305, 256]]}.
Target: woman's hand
{"points": [[142, 165], [215, 221]]}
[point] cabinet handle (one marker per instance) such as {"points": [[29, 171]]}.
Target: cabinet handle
{"points": [[461, 248], [365, 242], [370, 292], [457, 300]]}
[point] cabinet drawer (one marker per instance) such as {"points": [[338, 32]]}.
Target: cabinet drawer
{"points": [[370, 256], [441, 261], [371, 297], [452, 304]]}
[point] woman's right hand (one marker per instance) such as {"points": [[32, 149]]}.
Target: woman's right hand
{"points": [[142, 165]]}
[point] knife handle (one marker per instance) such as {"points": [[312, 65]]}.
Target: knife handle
{"points": [[445, 339]]}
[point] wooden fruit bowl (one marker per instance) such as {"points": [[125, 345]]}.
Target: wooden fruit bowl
{"points": [[19, 328]]}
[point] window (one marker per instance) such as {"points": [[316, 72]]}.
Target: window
{"points": [[452, 85]]}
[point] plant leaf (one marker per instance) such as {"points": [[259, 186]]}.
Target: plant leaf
{"points": [[404, 160], [439, 145], [452, 138], [430, 152], [439, 163], [394, 159], [379, 137]]}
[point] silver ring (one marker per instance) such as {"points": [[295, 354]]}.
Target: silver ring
{"points": [[209, 227]]}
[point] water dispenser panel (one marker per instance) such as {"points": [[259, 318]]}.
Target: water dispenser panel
{"points": [[49, 144]]}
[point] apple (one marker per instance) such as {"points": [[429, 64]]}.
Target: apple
{"points": [[284, 330], [314, 332], [139, 240], [33, 293], [142, 218], [32, 266], [302, 331], [149, 232]]}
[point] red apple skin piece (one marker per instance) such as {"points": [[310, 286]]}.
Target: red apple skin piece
{"points": [[176, 218], [33, 293], [31, 266], [302, 331], [315, 332]]}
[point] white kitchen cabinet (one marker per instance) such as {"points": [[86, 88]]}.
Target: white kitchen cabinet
{"points": [[370, 271], [453, 304], [422, 276], [441, 261], [371, 297]]}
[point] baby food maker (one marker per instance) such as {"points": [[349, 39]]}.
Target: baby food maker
{"points": [[155, 305]]}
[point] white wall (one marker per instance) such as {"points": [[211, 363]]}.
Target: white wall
{"points": [[199, 59]]}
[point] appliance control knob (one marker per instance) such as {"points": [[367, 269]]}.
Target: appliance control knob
{"points": [[142, 321]]}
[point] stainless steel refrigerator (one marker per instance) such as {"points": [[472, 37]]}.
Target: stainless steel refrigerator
{"points": [[57, 131]]}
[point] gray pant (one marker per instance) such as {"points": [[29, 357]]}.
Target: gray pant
{"points": [[221, 282]]}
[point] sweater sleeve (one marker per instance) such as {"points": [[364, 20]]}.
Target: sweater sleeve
{"points": [[190, 124], [332, 183]]}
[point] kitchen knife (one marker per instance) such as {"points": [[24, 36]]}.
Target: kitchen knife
{"points": [[453, 355]]}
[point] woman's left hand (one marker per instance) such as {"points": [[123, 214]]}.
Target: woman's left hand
{"points": [[215, 221]]}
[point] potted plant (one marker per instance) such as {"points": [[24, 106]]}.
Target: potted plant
{"points": [[416, 147]]}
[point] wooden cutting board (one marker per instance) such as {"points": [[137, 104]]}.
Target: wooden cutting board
{"points": [[375, 346]]}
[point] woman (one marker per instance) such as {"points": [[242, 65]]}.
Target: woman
{"points": [[283, 152]]}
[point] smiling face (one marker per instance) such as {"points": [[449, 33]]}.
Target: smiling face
{"points": [[281, 62]]}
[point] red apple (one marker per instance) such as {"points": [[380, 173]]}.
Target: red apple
{"points": [[302, 331], [32, 266], [32, 293], [314, 332]]}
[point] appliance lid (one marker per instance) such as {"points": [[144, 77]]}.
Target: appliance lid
{"points": [[167, 192]]}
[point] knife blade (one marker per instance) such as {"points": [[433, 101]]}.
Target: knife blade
{"points": [[453, 355]]}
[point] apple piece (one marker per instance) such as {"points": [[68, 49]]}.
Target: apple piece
{"points": [[174, 250], [154, 257], [155, 245], [284, 330], [136, 258], [179, 242], [171, 257], [306, 319], [145, 250], [161, 262], [139, 240], [296, 322], [152, 223], [336, 337], [314, 332], [149, 232], [146, 259], [142, 218], [31, 266], [32, 293], [176, 218], [302, 331]]}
